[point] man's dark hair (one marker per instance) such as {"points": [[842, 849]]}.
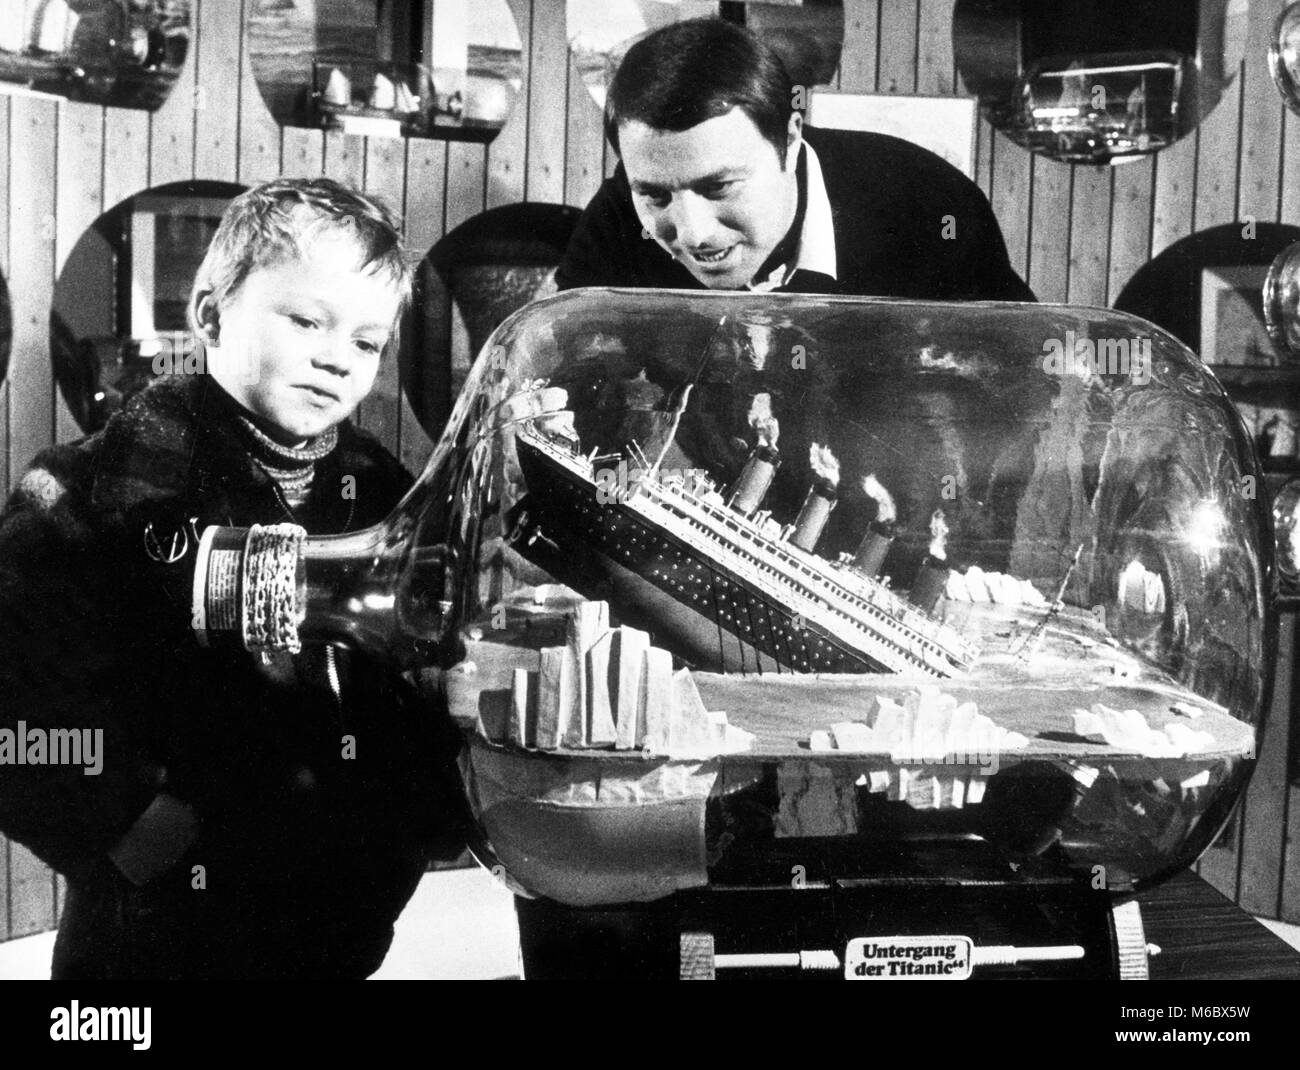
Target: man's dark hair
{"points": [[692, 71]]}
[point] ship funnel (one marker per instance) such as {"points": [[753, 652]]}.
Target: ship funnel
{"points": [[764, 459], [933, 577], [875, 544], [821, 498], [750, 489]]}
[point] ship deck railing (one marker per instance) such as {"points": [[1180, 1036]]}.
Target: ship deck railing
{"points": [[877, 600], [888, 611], [857, 586]]}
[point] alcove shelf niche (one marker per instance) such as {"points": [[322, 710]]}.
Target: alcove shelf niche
{"points": [[118, 318], [445, 69], [808, 35], [1098, 81], [123, 53], [1207, 291]]}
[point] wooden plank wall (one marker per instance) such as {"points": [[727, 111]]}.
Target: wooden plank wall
{"points": [[1076, 233]]}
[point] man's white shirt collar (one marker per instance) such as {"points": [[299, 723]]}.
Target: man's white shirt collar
{"points": [[816, 250]]}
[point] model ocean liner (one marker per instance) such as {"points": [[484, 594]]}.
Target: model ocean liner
{"points": [[723, 566]]}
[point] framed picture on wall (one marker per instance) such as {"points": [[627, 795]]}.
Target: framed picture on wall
{"points": [[1232, 317], [944, 125], [168, 237], [1235, 341]]}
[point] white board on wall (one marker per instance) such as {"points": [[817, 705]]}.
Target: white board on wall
{"points": [[944, 125]]}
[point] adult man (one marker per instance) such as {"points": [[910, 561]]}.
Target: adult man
{"points": [[721, 185]]}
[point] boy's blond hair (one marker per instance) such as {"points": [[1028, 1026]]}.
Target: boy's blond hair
{"points": [[276, 222]]}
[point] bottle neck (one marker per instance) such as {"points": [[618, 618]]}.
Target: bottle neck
{"points": [[387, 590], [274, 587]]}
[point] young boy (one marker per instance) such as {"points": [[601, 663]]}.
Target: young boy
{"points": [[231, 829]]}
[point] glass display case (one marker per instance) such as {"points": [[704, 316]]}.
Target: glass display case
{"points": [[739, 569], [112, 52], [1095, 108], [713, 582], [1101, 81], [449, 70]]}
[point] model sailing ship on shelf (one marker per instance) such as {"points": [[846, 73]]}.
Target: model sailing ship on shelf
{"points": [[1093, 109], [378, 99]]}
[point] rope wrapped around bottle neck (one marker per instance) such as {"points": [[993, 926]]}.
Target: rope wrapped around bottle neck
{"points": [[271, 612]]}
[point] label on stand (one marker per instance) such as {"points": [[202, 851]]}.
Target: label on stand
{"points": [[218, 586], [908, 958]]}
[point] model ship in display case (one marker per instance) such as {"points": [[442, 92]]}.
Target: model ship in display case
{"points": [[1092, 109], [379, 99], [388, 70], [790, 608], [120, 53], [712, 582]]}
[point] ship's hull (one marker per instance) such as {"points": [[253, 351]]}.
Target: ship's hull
{"points": [[701, 605]]}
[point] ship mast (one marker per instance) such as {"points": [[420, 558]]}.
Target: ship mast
{"points": [[684, 397], [1031, 639]]}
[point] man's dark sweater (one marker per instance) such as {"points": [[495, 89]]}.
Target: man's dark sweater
{"points": [[907, 224]]}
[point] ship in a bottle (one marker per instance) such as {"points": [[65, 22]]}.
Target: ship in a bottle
{"points": [[724, 583]]}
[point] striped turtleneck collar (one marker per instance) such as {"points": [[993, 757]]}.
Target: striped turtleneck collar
{"points": [[292, 467]]}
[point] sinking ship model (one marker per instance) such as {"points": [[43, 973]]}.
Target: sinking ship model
{"points": [[697, 567]]}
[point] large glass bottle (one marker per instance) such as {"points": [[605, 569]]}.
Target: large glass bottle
{"points": [[706, 575]]}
